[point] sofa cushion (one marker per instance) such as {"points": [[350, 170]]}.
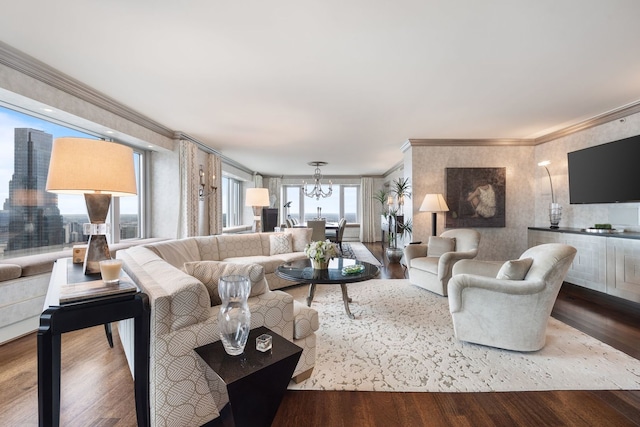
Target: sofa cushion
{"points": [[240, 245], [9, 271], [208, 247], [515, 269], [429, 264], [440, 245], [301, 237], [280, 243], [177, 252], [210, 272]]}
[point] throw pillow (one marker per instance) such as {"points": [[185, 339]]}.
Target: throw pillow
{"points": [[301, 237], [210, 272], [515, 269], [440, 245], [280, 243]]}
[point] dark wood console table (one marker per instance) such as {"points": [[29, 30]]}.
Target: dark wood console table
{"points": [[57, 319]]}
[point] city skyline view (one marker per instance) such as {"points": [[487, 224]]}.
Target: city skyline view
{"points": [[33, 220]]}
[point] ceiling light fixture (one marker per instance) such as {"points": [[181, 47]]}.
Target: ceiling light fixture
{"points": [[316, 191]]}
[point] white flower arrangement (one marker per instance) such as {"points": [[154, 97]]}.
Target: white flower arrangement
{"points": [[321, 251]]}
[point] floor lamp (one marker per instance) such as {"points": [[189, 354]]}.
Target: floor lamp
{"points": [[257, 198], [99, 170], [434, 203]]}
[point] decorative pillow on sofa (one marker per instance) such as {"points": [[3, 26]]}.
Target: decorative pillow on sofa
{"points": [[440, 245], [301, 237], [209, 272], [280, 243], [515, 269]]}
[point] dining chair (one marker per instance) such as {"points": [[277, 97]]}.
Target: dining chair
{"points": [[337, 237], [318, 226]]}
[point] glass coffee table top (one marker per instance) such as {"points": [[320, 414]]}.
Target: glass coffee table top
{"points": [[340, 272]]}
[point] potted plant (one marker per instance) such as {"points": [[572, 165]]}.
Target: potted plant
{"points": [[394, 253], [402, 189]]}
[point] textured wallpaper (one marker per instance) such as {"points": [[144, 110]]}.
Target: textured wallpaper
{"points": [[528, 193]]}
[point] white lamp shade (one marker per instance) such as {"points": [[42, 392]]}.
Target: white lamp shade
{"points": [[80, 166], [257, 197], [434, 203]]}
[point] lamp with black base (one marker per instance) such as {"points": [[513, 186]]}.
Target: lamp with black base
{"points": [[434, 203]]}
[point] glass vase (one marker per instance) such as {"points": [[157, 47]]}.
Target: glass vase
{"points": [[234, 318], [555, 214]]}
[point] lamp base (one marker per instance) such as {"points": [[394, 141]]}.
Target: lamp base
{"points": [[434, 219], [257, 219], [97, 248]]}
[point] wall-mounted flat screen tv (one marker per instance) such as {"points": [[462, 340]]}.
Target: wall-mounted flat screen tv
{"points": [[607, 173]]}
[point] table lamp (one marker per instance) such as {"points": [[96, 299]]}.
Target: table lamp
{"points": [[257, 198], [99, 170], [434, 203]]}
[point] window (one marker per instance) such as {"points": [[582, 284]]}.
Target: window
{"points": [[34, 221], [231, 202], [343, 203]]}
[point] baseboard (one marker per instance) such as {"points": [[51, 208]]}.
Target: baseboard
{"points": [[19, 329]]}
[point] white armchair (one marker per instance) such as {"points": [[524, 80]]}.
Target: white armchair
{"points": [[512, 311], [430, 265]]}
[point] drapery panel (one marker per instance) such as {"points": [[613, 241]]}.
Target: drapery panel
{"points": [[275, 187], [368, 225], [189, 182], [214, 165]]}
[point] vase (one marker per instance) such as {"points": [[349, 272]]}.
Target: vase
{"points": [[320, 265], [555, 214], [234, 318], [394, 255]]}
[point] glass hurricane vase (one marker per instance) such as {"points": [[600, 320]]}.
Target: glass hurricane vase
{"points": [[234, 318]]}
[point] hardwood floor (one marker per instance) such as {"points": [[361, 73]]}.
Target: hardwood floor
{"points": [[97, 389]]}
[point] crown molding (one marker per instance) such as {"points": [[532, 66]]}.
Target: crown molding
{"points": [[609, 116], [482, 142], [42, 72]]}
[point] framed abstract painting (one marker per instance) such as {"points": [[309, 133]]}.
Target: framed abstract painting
{"points": [[476, 197]]}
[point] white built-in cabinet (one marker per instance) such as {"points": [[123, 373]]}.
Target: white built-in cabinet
{"points": [[607, 263]]}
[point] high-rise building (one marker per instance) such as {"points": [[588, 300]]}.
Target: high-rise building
{"points": [[34, 217]]}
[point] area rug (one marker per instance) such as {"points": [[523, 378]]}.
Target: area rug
{"points": [[357, 250], [402, 340]]}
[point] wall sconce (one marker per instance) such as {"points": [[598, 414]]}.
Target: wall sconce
{"points": [[203, 184]]}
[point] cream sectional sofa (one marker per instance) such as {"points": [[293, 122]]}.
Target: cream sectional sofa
{"points": [[184, 390]]}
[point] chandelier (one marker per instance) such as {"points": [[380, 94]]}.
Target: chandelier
{"points": [[316, 191]]}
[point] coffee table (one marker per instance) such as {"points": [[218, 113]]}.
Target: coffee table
{"points": [[301, 271]]}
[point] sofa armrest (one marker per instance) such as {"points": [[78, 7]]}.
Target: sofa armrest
{"points": [[414, 251], [177, 299], [459, 283]]}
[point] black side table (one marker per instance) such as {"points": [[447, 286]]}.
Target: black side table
{"points": [[256, 381], [57, 319]]}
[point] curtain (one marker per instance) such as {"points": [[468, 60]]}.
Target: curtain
{"points": [[275, 186], [214, 165], [189, 180], [369, 224]]}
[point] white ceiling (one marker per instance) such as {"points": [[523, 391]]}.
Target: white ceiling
{"points": [[276, 84]]}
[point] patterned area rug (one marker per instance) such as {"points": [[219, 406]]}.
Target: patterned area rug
{"points": [[402, 340], [357, 250]]}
